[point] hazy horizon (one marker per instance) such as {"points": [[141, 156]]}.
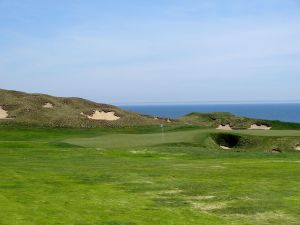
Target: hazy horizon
{"points": [[208, 103], [144, 52]]}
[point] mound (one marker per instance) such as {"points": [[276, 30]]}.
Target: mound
{"points": [[229, 121], [45, 110]]}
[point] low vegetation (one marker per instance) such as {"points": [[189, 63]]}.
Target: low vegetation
{"points": [[236, 122], [48, 111], [22, 109]]}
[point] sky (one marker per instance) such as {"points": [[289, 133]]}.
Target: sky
{"points": [[152, 52]]}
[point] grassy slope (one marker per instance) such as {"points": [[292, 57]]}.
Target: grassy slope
{"points": [[27, 110], [46, 178], [215, 119]]}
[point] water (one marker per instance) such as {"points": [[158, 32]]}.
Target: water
{"points": [[289, 112]]}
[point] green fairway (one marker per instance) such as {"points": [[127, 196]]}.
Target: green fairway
{"points": [[133, 176]]}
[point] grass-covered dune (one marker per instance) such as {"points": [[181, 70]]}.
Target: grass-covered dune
{"points": [[48, 111], [236, 122], [44, 110], [139, 175]]}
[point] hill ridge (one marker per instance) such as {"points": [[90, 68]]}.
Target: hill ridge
{"points": [[46, 110]]}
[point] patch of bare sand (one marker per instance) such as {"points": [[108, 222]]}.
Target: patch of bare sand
{"points": [[3, 113], [224, 147], [48, 105], [101, 115], [259, 127], [224, 127]]}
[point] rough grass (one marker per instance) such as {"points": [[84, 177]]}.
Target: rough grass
{"points": [[237, 122], [93, 176], [27, 110]]}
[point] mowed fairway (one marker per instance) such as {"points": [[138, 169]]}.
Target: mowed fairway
{"points": [[141, 176]]}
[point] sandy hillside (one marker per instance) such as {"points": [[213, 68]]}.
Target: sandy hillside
{"points": [[259, 127], [224, 127], [101, 115], [3, 113], [48, 105]]}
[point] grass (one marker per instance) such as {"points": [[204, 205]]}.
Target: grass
{"points": [[132, 176], [237, 122], [27, 110]]}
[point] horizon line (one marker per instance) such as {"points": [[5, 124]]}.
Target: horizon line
{"points": [[209, 103]]}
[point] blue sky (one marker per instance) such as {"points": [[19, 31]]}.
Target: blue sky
{"points": [[138, 51]]}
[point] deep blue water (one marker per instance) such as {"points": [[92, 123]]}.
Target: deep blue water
{"points": [[285, 112]]}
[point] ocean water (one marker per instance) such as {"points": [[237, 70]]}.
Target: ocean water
{"points": [[289, 112]]}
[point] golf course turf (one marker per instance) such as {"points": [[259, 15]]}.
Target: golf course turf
{"points": [[130, 176]]}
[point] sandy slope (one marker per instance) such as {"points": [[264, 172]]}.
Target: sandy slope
{"points": [[224, 127], [3, 113], [110, 116], [259, 127]]}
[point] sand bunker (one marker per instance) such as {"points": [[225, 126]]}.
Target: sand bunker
{"points": [[169, 121], [48, 105], [156, 118], [110, 116], [224, 127], [297, 147], [259, 127], [3, 113]]}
